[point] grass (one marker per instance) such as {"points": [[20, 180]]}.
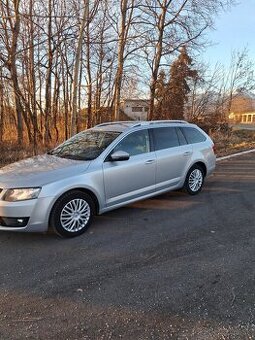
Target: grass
{"points": [[235, 141]]}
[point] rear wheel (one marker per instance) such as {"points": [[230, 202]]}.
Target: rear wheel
{"points": [[194, 180], [72, 213]]}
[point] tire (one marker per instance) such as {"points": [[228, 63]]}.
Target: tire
{"points": [[194, 180], [72, 213]]}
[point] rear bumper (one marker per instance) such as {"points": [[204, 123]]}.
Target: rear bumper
{"points": [[211, 166], [35, 211], [210, 170]]}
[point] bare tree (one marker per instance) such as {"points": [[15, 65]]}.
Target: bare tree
{"points": [[214, 91], [77, 64], [10, 25], [172, 25], [126, 14], [65, 64]]}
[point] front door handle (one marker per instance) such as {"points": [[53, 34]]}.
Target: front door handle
{"points": [[150, 161]]}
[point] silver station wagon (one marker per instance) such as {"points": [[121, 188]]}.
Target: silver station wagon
{"points": [[101, 169]]}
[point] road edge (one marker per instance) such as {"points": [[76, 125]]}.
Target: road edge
{"points": [[218, 159]]}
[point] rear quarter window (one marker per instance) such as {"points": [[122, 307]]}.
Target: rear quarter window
{"points": [[193, 135]]}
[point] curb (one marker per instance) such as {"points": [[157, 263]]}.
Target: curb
{"points": [[234, 155]]}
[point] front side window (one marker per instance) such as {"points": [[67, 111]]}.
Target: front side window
{"points": [[86, 145], [193, 135], [165, 138], [135, 143]]}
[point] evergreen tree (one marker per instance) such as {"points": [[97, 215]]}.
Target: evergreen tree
{"points": [[172, 96], [161, 95]]}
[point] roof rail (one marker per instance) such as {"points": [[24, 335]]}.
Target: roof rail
{"points": [[121, 122], [168, 121], [133, 123]]}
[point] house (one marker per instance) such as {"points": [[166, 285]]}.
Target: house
{"points": [[248, 118], [135, 109], [243, 109], [243, 118]]}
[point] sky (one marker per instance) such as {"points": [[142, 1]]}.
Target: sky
{"points": [[234, 30]]}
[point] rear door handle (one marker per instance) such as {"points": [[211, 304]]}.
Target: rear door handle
{"points": [[187, 153], [150, 161]]}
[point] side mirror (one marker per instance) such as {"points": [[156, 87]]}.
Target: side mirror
{"points": [[119, 156]]}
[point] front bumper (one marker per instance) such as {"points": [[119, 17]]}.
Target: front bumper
{"points": [[37, 212]]}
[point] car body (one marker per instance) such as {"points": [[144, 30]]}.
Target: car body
{"points": [[100, 169]]}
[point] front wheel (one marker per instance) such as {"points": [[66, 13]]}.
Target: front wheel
{"points": [[72, 213], [194, 180]]}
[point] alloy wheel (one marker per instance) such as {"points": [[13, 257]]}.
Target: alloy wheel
{"points": [[195, 180], [75, 215]]}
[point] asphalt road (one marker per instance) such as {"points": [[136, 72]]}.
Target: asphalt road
{"points": [[171, 267]]}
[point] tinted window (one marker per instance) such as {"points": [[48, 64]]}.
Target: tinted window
{"points": [[165, 138], [181, 137], [193, 135], [86, 145], [136, 143]]}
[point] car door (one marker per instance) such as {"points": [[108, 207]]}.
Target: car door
{"points": [[132, 178], [173, 156]]}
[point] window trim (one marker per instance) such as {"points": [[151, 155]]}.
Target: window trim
{"points": [[179, 128]]}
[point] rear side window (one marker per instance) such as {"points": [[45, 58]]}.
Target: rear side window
{"points": [[193, 135], [165, 138]]}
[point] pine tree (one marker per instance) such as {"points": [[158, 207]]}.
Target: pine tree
{"points": [[161, 95], [172, 96]]}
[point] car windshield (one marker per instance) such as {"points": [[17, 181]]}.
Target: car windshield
{"points": [[86, 145]]}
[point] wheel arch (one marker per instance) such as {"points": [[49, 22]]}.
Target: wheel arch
{"points": [[94, 205], [85, 190], [202, 165]]}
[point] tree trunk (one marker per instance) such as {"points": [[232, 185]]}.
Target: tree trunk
{"points": [[32, 77], [13, 71], [77, 68], [89, 78], [121, 48], [47, 113], [157, 58], [1, 109]]}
